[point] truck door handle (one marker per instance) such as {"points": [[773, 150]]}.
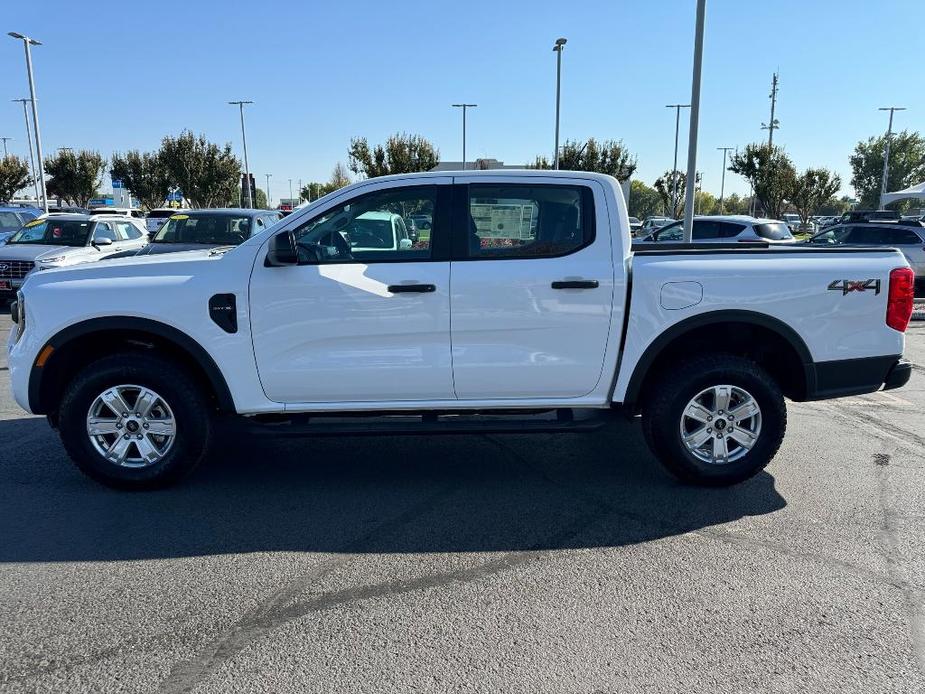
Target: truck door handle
{"points": [[575, 284], [412, 288]]}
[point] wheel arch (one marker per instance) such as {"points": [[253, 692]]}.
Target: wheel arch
{"points": [[768, 340], [79, 343]]}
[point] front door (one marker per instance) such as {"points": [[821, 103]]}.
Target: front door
{"points": [[361, 318], [532, 290]]}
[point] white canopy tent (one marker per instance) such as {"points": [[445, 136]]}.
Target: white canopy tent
{"points": [[915, 192]]}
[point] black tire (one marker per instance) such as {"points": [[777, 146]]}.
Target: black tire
{"points": [[185, 397], [673, 390]]}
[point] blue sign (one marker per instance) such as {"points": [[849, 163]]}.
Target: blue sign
{"points": [[116, 183], [175, 196], [97, 202]]}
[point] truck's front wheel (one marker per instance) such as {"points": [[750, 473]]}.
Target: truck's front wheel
{"points": [[715, 420], [134, 421]]}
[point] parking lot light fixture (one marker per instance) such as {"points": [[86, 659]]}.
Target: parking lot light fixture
{"points": [[694, 122], [27, 44], [247, 173], [722, 185], [25, 115], [269, 204], [674, 168], [558, 48], [464, 108], [886, 150]]}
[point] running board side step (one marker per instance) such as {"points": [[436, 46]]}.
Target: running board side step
{"points": [[429, 423]]}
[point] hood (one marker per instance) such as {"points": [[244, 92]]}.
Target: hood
{"points": [[30, 251], [159, 248]]}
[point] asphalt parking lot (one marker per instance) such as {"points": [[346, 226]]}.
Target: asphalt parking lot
{"points": [[474, 563]]}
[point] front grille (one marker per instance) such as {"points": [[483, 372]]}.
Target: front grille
{"points": [[15, 269]]}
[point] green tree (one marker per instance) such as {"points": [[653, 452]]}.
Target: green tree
{"points": [[14, 175], [811, 190], [672, 203], [644, 201], [207, 174], [75, 177], [835, 206], [770, 172], [733, 204], [145, 176], [907, 167], [401, 153], [705, 203], [607, 157]]}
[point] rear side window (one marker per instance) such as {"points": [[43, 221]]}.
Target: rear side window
{"points": [[528, 221], [882, 236], [773, 231], [710, 229], [128, 230], [900, 237]]}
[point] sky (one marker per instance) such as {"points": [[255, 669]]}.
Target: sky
{"points": [[124, 74]]}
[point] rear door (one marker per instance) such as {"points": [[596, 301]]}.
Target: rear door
{"points": [[355, 325], [532, 282]]}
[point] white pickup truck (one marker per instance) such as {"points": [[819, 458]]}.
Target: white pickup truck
{"points": [[525, 308]]}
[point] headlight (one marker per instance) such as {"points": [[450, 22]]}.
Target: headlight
{"points": [[48, 263], [18, 313]]}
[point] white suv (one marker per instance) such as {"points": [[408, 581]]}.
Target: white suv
{"points": [[725, 228]]}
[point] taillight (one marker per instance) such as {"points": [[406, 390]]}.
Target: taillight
{"points": [[899, 303]]}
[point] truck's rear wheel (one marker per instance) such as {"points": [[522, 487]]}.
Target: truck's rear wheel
{"points": [[715, 420], [134, 421]]}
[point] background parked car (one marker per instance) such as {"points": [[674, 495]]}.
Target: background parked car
{"points": [[157, 217], [908, 237], [13, 218], [653, 223], [725, 228], [121, 211], [61, 240], [196, 229], [870, 216], [635, 225]]}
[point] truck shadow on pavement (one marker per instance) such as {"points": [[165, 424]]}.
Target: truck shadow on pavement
{"points": [[472, 493]]}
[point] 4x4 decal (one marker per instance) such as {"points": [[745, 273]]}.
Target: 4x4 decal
{"points": [[848, 286]]}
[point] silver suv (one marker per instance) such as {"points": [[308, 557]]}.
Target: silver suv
{"points": [[907, 237], [725, 228]]}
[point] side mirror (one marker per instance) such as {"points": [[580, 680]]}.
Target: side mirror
{"points": [[282, 250], [405, 244], [102, 241]]}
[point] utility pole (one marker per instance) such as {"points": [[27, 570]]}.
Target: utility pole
{"points": [[35, 178], [674, 169], [772, 124], [269, 203], [291, 199], [247, 172], [558, 48], [5, 140], [886, 149], [695, 122], [300, 191], [464, 108], [722, 185], [27, 44]]}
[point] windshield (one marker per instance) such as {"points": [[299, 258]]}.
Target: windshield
{"points": [[773, 231], [217, 229], [9, 221], [54, 232]]}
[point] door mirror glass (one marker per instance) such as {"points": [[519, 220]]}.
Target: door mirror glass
{"points": [[282, 250]]}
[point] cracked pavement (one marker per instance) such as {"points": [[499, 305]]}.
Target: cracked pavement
{"points": [[511, 563]]}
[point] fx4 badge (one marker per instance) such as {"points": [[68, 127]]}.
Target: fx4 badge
{"points": [[848, 286]]}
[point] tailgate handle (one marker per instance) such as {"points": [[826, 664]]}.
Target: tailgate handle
{"points": [[575, 284], [412, 288]]}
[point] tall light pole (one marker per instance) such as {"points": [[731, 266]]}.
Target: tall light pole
{"points": [[27, 44], [772, 124], [25, 114], [674, 168], [695, 122], [247, 172], [5, 140], [464, 107], [722, 185], [558, 48], [269, 203], [886, 149], [299, 190], [290, 195]]}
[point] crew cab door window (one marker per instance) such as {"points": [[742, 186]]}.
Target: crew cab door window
{"points": [[370, 228], [365, 315], [518, 331]]}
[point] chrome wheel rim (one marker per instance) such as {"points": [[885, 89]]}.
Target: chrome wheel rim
{"points": [[721, 424], [131, 426]]}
